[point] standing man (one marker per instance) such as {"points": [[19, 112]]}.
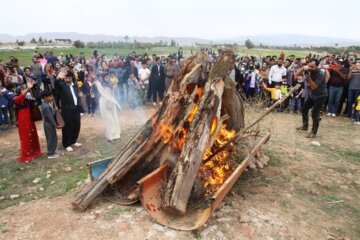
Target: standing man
{"points": [[144, 74], [170, 70], [336, 84], [318, 94], [181, 63], [157, 81], [276, 73], [36, 70], [70, 110]]}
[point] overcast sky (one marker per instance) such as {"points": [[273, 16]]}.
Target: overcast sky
{"points": [[183, 18]]}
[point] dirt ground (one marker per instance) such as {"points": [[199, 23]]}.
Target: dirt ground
{"points": [[306, 191]]}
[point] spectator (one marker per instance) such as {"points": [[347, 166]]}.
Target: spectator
{"points": [[4, 104], [70, 110], [264, 73], [90, 96], [48, 78], [252, 82], [170, 70], [276, 73], [144, 74], [336, 86], [50, 126], [354, 88], [157, 82], [29, 140], [296, 101], [36, 70], [357, 111], [119, 73], [134, 87]]}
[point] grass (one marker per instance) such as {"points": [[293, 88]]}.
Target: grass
{"points": [[18, 178], [116, 212], [24, 55]]}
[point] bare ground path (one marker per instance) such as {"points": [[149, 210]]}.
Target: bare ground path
{"points": [[306, 192]]}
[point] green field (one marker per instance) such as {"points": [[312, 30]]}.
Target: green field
{"points": [[24, 55]]}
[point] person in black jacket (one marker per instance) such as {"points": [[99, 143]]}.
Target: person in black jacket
{"points": [[70, 105], [157, 79]]}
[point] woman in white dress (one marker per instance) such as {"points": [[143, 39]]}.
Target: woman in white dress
{"points": [[108, 109]]}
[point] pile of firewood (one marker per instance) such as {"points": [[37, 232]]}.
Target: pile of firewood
{"points": [[194, 133]]}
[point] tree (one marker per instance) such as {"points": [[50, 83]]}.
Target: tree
{"points": [[33, 40], [41, 41], [249, 44], [20, 43], [50, 41], [126, 38], [172, 43], [79, 44]]}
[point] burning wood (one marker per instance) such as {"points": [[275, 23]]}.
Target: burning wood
{"points": [[187, 141]]}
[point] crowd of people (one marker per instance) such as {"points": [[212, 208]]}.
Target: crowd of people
{"points": [[327, 84], [67, 87]]}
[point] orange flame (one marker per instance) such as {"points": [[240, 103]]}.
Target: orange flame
{"points": [[215, 171], [167, 132]]}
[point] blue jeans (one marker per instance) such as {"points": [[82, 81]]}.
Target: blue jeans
{"points": [[352, 99], [4, 119], [357, 116], [335, 94], [295, 103]]}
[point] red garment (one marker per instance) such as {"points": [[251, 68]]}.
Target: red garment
{"points": [[29, 140]]}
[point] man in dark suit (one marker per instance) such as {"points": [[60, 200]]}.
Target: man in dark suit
{"points": [[157, 79], [70, 105]]}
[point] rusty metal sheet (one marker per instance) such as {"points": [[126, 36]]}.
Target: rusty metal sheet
{"points": [[150, 197]]}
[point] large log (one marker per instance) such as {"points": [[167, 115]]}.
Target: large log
{"points": [[182, 177], [94, 189]]}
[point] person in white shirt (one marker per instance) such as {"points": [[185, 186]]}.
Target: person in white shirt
{"points": [[144, 74], [276, 73]]}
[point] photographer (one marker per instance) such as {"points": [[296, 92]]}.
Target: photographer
{"points": [[317, 95]]}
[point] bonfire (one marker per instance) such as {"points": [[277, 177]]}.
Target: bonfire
{"points": [[185, 159]]}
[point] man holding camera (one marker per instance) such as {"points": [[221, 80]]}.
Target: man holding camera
{"points": [[317, 95]]}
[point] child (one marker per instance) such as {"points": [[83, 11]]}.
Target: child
{"points": [[113, 79], [297, 95], [11, 106], [4, 102], [50, 125], [284, 87], [90, 96], [275, 94], [357, 111], [134, 87]]}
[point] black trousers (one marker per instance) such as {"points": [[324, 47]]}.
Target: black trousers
{"points": [[91, 104], [250, 93], [158, 88], [70, 131], [315, 105], [51, 138], [149, 92]]}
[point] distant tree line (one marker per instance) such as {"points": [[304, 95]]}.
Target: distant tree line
{"points": [[123, 44]]}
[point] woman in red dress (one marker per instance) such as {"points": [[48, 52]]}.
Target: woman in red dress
{"points": [[29, 140]]}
